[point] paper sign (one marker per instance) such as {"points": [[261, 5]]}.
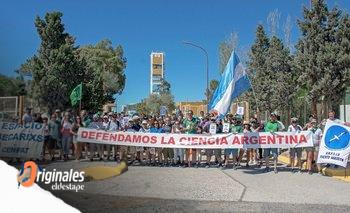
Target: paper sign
{"points": [[212, 128], [226, 128], [240, 110]]}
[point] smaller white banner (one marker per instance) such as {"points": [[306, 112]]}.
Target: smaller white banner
{"points": [[21, 141], [335, 144]]}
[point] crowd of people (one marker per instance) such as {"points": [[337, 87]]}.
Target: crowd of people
{"points": [[61, 128]]}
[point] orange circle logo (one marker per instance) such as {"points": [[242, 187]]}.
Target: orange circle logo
{"points": [[27, 174]]}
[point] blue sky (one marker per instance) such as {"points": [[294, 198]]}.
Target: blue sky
{"points": [[145, 26]]}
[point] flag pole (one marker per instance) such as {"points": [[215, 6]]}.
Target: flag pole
{"points": [[81, 96], [253, 91]]}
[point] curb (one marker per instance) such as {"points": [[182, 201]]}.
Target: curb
{"points": [[338, 173], [104, 172]]}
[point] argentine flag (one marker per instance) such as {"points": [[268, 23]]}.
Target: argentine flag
{"points": [[234, 81]]}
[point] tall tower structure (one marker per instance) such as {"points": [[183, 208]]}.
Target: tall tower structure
{"points": [[157, 71]]}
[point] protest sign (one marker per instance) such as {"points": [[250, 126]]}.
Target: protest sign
{"points": [[240, 110], [198, 141], [22, 141], [335, 144], [225, 127], [212, 128]]}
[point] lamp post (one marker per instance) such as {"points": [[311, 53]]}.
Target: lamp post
{"points": [[206, 66]]}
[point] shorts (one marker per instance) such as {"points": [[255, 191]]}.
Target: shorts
{"points": [[294, 151], [75, 139], [234, 152], [310, 149], [270, 152], [211, 152]]}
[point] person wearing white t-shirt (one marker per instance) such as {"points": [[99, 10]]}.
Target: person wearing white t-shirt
{"points": [[313, 151], [295, 128]]}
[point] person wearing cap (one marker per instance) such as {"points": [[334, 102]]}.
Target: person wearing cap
{"points": [[312, 152], [295, 128], [271, 126], [95, 124]]}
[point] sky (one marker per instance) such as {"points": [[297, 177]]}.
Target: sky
{"points": [[145, 26]]}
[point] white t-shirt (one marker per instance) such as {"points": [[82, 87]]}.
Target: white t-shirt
{"points": [[316, 136], [296, 128]]}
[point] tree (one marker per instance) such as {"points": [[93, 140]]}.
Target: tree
{"points": [[10, 86], [212, 87], [107, 65], [59, 66], [55, 68], [153, 103], [280, 76], [164, 86], [258, 72], [322, 54]]}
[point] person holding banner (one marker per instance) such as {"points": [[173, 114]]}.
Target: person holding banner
{"points": [[311, 152], [251, 154], [295, 128], [179, 153], [271, 126], [190, 123], [155, 128], [236, 127], [208, 129]]}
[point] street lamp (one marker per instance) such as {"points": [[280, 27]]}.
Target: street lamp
{"points": [[207, 68]]}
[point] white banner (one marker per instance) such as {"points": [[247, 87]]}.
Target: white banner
{"points": [[335, 144], [22, 141], [198, 141]]}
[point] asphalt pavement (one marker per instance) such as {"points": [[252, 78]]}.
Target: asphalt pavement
{"points": [[168, 189]]}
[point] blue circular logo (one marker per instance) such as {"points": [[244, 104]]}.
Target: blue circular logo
{"points": [[337, 137]]}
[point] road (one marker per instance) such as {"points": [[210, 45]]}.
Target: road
{"points": [[153, 189]]}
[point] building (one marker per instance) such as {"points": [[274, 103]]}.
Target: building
{"points": [[195, 106], [110, 107], [157, 71], [344, 108]]}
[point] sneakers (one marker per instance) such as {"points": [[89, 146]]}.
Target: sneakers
{"points": [[207, 166]]}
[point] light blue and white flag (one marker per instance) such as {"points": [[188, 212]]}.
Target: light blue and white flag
{"points": [[234, 81]]}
